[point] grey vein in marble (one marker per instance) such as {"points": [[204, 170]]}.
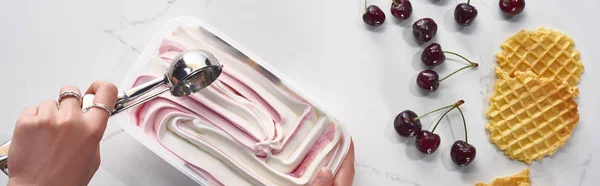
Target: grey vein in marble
{"points": [[369, 167], [134, 23], [389, 175], [582, 177], [586, 164], [111, 32], [396, 177], [151, 19]]}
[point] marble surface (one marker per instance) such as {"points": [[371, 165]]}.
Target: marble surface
{"points": [[363, 76]]}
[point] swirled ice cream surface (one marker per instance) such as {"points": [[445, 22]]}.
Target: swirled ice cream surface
{"points": [[244, 129]]}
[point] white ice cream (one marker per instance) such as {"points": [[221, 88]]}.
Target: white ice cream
{"points": [[244, 129]]}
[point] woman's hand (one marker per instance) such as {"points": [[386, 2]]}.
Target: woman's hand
{"points": [[56, 143], [344, 176]]}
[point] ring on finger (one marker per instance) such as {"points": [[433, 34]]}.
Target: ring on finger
{"points": [[67, 94], [97, 105]]}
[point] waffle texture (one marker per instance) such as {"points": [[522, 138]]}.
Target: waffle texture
{"points": [[530, 116], [519, 179], [545, 52]]}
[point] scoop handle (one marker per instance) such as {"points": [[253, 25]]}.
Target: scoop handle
{"points": [[124, 98]]}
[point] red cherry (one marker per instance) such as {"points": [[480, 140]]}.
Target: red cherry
{"points": [[427, 142], [424, 29], [373, 16], [401, 9], [465, 14], [433, 55], [428, 80], [512, 7], [406, 124], [462, 153]]}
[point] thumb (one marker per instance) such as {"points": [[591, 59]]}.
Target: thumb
{"points": [[324, 178]]}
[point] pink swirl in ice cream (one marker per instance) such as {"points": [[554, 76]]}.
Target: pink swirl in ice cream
{"points": [[263, 133]]}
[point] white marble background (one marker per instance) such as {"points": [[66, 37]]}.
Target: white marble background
{"points": [[364, 77]]}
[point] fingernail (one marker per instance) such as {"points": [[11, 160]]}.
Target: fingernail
{"points": [[324, 175]]}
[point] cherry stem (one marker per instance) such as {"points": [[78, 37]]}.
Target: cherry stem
{"points": [[472, 65], [464, 123], [456, 54], [455, 105], [433, 111], [366, 6], [394, 3], [468, 1], [438, 122]]}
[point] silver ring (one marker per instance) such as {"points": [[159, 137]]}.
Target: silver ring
{"points": [[68, 93], [97, 105]]}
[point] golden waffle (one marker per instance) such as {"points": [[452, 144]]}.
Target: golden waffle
{"points": [[519, 179], [545, 52], [530, 117]]}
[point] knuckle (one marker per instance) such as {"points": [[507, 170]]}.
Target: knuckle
{"points": [[29, 110], [24, 121], [30, 124], [107, 85], [111, 88], [67, 119], [43, 120], [101, 82]]}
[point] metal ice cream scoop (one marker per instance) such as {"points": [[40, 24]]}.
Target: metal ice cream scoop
{"points": [[190, 72]]}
